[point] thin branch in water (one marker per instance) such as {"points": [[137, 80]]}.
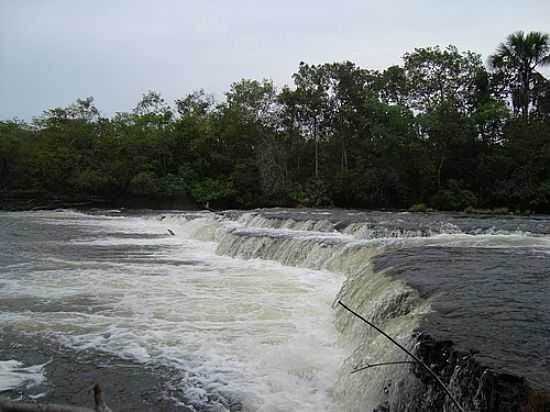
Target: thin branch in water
{"points": [[412, 355], [374, 365]]}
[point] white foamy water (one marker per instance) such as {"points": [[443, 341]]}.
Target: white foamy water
{"points": [[13, 374], [249, 330]]}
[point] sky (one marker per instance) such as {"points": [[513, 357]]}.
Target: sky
{"points": [[55, 51]]}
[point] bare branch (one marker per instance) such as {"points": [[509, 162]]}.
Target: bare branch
{"points": [[412, 355], [374, 365]]}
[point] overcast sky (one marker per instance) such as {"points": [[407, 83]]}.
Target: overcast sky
{"points": [[54, 51]]}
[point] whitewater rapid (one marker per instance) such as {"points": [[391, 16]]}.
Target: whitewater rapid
{"points": [[247, 330], [240, 306]]}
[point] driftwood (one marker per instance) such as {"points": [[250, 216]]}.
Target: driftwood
{"points": [[14, 406], [412, 355], [100, 405]]}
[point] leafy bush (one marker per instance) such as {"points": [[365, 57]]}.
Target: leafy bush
{"points": [[314, 193], [542, 197], [144, 183], [212, 189], [171, 185], [90, 181], [496, 211], [454, 198], [418, 207]]}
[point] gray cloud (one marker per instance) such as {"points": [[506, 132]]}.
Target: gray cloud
{"points": [[52, 52]]}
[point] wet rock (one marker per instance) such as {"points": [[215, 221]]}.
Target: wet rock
{"points": [[475, 387]]}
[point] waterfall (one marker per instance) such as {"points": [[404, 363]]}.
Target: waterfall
{"points": [[390, 303], [314, 240]]}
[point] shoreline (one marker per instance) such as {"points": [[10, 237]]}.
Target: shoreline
{"points": [[32, 200], [22, 202]]}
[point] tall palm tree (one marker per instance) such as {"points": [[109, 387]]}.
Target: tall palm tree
{"points": [[517, 58]]}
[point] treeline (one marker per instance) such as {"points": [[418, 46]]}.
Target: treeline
{"points": [[442, 129]]}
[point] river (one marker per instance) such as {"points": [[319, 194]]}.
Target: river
{"points": [[237, 309]]}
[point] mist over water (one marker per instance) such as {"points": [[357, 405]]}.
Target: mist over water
{"points": [[240, 305]]}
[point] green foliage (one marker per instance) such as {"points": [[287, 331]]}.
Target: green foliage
{"points": [[90, 181], [515, 62], [144, 183], [436, 130], [419, 207], [172, 185], [212, 189], [541, 199], [314, 193], [436, 76], [453, 198], [496, 211]]}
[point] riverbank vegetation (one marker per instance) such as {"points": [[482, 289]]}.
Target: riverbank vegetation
{"points": [[445, 129]]}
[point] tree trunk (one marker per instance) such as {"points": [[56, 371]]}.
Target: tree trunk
{"points": [[441, 161], [344, 159], [525, 95], [344, 146], [316, 139], [526, 98], [316, 158]]}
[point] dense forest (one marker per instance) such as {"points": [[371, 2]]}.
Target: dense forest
{"points": [[445, 129]]}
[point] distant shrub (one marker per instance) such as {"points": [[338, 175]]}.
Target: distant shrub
{"points": [[501, 211], [90, 181], [171, 185], [497, 211], [144, 183], [213, 189], [418, 207], [454, 198], [313, 193], [147, 183], [542, 197]]}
